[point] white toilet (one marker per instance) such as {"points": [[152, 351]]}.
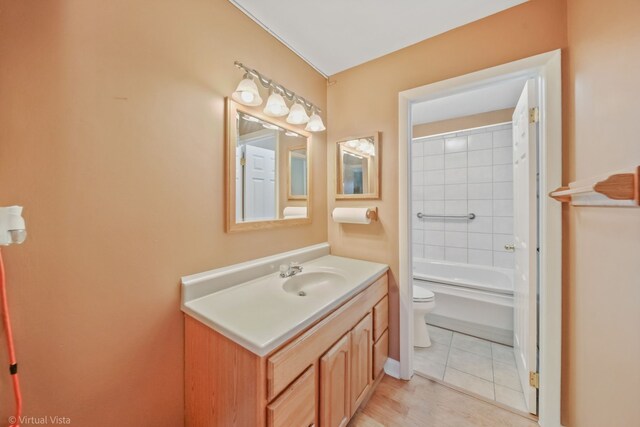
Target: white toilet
{"points": [[423, 303]]}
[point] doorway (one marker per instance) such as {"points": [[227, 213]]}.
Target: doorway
{"points": [[533, 240]]}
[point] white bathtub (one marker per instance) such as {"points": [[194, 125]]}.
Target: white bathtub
{"points": [[473, 299]]}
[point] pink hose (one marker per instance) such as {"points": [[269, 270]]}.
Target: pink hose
{"points": [[12, 353]]}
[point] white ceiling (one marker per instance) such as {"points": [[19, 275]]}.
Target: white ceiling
{"points": [[333, 35], [489, 98]]}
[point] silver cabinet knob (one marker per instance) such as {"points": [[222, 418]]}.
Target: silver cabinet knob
{"points": [[509, 247]]}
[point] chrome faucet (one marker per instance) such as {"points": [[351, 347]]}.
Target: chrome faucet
{"points": [[289, 270]]}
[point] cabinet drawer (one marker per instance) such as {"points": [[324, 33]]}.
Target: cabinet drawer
{"points": [[285, 365], [380, 317], [296, 407], [380, 353]]}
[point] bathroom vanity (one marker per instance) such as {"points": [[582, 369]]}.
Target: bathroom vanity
{"points": [[304, 350]]}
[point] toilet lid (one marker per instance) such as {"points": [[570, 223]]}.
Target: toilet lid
{"points": [[421, 294]]}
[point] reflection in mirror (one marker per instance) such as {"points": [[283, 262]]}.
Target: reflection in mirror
{"points": [[298, 173], [269, 175], [358, 168]]}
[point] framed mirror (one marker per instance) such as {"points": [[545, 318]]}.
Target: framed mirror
{"points": [[297, 177], [268, 171], [358, 169]]}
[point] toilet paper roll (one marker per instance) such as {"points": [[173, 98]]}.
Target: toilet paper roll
{"points": [[295, 212], [351, 215]]}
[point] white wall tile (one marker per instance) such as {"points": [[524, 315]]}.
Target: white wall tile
{"points": [[481, 158], [482, 191], [503, 259], [417, 178], [417, 236], [503, 207], [417, 164], [455, 176], [481, 207], [434, 238], [455, 254], [433, 192], [503, 190], [455, 192], [453, 145], [480, 141], [417, 192], [455, 160], [433, 207], [502, 138], [417, 149], [433, 162], [503, 225], [434, 252], [418, 251], [452, 224], [432, 223], [480, 241], [502, 173], [433, 177], [480, 224], [500, 240], [480, 174], [455, 239], [434, 146], [455, 207], [478, 257], [503, 156]]}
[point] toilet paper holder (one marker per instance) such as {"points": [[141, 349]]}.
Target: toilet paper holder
{"points": [[372, 214]]}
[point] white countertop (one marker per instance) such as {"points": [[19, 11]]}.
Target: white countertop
{"points": [[259, 315]]}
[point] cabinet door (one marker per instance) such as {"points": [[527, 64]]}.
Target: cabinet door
{"points": [[334, 384], [380, 354], [361, 369]]}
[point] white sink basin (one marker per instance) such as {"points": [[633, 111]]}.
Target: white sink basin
{"points": [[314, 283]]}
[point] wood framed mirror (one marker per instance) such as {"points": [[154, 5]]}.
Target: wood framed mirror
{"points": [[358, 167], [262, 190]]}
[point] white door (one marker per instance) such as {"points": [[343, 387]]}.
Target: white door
{"points": [[260, 184], [525, 220]]}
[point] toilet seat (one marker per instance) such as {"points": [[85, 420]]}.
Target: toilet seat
{"points": [[422, 295]]}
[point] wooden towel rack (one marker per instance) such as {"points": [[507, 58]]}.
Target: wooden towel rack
{"points": [[618, 189]]}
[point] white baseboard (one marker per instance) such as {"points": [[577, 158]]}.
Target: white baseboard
{"points": [[392, 368]]}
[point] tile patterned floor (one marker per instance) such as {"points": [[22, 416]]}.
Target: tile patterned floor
{"points": [[473, 364]]}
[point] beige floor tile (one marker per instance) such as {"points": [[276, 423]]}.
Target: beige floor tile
{"points": [[436, 353], [510, 398], [429, 368], [506, 375], [440, 335], [469, 382], [471, 344], [471, 363], [503, 354]]}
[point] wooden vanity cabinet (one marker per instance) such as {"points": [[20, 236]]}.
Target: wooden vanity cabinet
{"points": [[318, 378]]}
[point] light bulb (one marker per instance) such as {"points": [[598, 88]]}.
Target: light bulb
{"points": [[276, 106], [298, 115], [247, 92], [315, 123], [353, 143]]}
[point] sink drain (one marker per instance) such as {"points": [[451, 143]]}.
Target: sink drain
{"points": [[302, 294]]}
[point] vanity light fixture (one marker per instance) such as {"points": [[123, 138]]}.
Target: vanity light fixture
{"points": [[247, 92], [315, 123], [276, 103], [297, 115], [276, 107]]}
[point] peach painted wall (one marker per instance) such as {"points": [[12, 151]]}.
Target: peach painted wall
{"points": [[366, 98], [111, 136], [463, 123], [601, 381]]}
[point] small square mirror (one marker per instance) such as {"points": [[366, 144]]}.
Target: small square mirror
{"points": [[358, 171]]}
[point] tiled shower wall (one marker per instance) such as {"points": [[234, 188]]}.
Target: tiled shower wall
{"points": [[460, 173]]}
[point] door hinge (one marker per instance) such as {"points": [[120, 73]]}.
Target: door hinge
{"points": [[534, 379], [533, 115], [243, 161]]}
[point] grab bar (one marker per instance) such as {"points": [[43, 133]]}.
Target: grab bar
{"points": [[468, 216]]}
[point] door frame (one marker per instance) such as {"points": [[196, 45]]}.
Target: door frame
{"points": [[547, 68]]}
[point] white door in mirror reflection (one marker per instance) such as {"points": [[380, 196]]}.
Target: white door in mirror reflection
{"points": [[260, 184]]}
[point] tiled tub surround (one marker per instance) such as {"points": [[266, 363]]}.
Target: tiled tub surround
{"points": [[459, 173], [481, 367]]}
